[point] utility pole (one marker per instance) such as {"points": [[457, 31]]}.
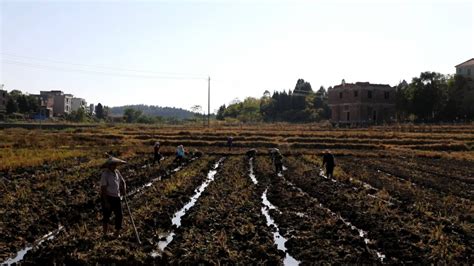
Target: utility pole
{"points": [[208, 101]]}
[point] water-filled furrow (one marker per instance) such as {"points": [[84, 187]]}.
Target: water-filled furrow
{"points": [[251, 172], [140, 189], [277, 237], [21, 254], [362, 234], [364, 185], [176, 220], [403, 180]]}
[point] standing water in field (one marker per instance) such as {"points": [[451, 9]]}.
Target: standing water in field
{"points": [[251, 173], [277, 237], [21, 254], [140, 189], [362, 233], [176, 220]]}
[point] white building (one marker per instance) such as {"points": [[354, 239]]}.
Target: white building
{"points": [[77, 103]]}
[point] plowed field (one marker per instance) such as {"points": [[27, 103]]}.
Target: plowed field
{"points": [[399, 195]]}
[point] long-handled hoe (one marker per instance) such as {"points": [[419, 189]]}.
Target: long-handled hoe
{"points": [[131, 220]]}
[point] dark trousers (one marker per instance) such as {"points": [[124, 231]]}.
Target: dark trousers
{"points": [[157, 157], [279, 167], [115, 206], [329, 171]]}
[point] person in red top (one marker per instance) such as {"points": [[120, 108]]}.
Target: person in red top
{"points": [[112, 187]]}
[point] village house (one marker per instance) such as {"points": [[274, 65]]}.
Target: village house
{"points": [[361, 103], [77, 103], [466, 69], [61, 102], [46, 105]]}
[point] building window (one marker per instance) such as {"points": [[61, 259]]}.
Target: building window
{"points": [[340, 95], [468, 71], [346, 107], [348, 116], [369, 94], [356, 93], [386, 95]]}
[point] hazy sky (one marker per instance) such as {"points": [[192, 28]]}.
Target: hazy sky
{"points": [[95, 49]]}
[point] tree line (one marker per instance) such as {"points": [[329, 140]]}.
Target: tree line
{"points": [[301, 104], [434, 97], [431, 97]]}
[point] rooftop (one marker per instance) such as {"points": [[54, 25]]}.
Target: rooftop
{"points": [[360, 84], [469, 62]]}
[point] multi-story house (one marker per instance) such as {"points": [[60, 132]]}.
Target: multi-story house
{"points": [[361, 103], [61, 102], [77, 103], [466, 69]]}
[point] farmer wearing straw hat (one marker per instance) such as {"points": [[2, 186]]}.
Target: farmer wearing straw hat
{"points": [[112, 187], [329, 162], [277, 159]]}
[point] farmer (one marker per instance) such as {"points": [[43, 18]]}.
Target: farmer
{"points": [[180, 154], [229, 142], [112, 187], [329, 162], [156, 152], [277, 159], [251, 153]]}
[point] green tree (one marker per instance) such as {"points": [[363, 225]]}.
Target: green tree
{"points": [[99, 111], [250, 110], [131, 115], [78, 115], [403, 105], [220, 112], [428, 95], [12, 106]]}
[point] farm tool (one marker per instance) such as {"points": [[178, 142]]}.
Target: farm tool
{"points": [[131, 220]]}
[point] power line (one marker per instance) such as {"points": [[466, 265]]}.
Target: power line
{"points": [[46, 67], [103, 67]]}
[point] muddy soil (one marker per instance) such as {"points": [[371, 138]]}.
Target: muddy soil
{"points": [[226, 225]]}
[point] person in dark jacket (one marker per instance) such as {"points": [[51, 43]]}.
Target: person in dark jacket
{"points": [[251, 153], [329, 162], [277, 159], [229, 142]]}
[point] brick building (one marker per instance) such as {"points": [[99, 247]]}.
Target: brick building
{"points": [[362, 103], [466, 69]]}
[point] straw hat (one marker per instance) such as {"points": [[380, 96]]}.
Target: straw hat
{"points": [[113, 160]]}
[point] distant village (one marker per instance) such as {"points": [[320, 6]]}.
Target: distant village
{"points": [[54, 103], [346, 103]]}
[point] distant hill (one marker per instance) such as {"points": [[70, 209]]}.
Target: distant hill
{"points": [[152, 110]]}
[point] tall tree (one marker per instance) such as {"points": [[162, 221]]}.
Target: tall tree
{"points": [[220, 112], [429, 95], [12, 106], [99, 111]]}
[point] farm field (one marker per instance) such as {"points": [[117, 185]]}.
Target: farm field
{"points": [[400, 194]]}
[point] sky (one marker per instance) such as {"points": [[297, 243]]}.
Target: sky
{"points": [[162, 52]]}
